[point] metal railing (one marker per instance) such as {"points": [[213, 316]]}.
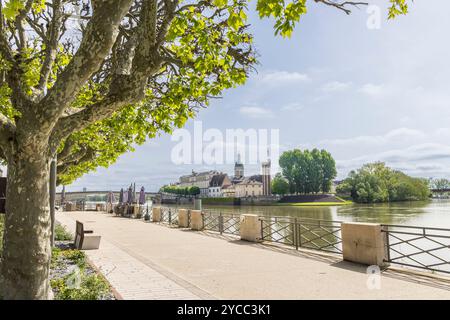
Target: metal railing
{"points": [[169, 215], [321, 235], [222, 223], [418, 247]]}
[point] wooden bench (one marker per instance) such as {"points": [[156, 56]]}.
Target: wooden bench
{"points": [[85, 239]]}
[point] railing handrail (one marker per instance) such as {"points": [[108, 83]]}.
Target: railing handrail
{"points": [[293, 219], [414, 227]]}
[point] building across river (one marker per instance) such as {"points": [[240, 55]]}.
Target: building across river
{"points": [[215, 184]]}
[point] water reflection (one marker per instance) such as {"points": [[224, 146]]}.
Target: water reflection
{"points": [[435, 213]]}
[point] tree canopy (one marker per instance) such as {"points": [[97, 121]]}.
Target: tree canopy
{"points": [[203, 47], [375, 182], [308, 171], [182, 191], [280, 185]]}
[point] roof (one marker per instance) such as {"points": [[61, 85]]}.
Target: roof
{"points": [[256, 177], [217, 180], [197, 174], [251, 180]]}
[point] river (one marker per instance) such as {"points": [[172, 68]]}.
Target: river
{"points": [[433, 213]]}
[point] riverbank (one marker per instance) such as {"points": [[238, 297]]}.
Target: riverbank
{"points": [[291, 200], [314, 204]]}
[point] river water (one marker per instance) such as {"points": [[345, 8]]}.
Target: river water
{"points": [[433, 213]]}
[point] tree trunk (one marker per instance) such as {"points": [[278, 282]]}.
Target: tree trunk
{"points": [[26, 247]]}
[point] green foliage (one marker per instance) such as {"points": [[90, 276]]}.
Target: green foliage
{"points": [[280, 185], [211, 53], [92, 287], [12, 8], [182, 191], [440, 184], [375, 182], [61, 234], [285, 13], [308, 171], [398, 7], [76, 257]]}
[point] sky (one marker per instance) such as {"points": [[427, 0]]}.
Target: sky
{"points": [[365, 94]]}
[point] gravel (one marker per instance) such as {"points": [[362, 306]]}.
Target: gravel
{"points": [[63, 267]]}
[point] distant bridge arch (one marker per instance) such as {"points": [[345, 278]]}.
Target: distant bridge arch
{"points": [[83, 195]]}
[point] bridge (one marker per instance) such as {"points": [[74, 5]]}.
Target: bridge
{"points": [[442, 190], [85, 195]]}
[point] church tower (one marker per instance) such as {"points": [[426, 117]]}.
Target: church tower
{"points": [[267, 189], [238, 168]]}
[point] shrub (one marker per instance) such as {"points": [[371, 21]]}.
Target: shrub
{"points": [[61, 234], [92, 287]]}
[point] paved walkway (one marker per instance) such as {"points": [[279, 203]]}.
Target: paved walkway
{"points": [[152, 261]]}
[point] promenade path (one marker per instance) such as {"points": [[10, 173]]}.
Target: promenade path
{"points": [[152, 261]]}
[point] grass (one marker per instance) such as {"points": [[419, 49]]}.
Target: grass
{"points": [[83, 283], [61, 234], [314, 204]]}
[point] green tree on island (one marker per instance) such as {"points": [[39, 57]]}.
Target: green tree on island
{"points": [[130, 71], [308, 171], [440, 184], [375, 182], [182, 191], [280, 185]]}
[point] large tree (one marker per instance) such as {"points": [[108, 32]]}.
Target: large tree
{"points": [[82, 80], [308, 171], [375, 182]]}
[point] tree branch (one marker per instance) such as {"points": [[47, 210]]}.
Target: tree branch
{"points": [[342, 5], [99, 37], [51, 44], [124, 89], [7, 132]]}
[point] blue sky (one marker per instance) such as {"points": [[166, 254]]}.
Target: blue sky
{"points": [[363, 94]]}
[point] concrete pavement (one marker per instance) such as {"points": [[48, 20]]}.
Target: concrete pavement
{"points": [[152, 261]]}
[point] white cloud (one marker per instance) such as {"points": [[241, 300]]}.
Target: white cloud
{"points": [[256, 112], [426, 160], [277, 77], [336, 86], [295, 106], [372, 89], [401, 135]]}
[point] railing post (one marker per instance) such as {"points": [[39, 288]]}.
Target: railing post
{"points": [[170, 216], [156, 214], [299, 229], [295, 234], [387, 250], [363, 243], [183, 218], [197, 222], [220, 223], [262, 229], [250, 227]]}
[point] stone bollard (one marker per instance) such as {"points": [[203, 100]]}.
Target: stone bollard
{"points": [[156, 214], [183, 218], [196, 220], [250, 227], [364, 243]]}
